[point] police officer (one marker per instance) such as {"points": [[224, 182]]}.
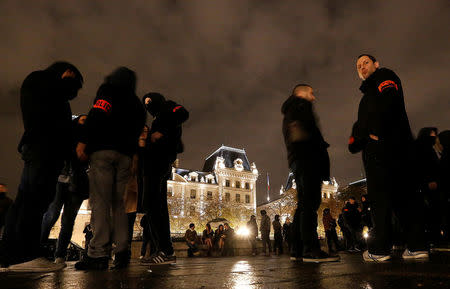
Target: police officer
{"points": [[383, 134], [45, 145]]}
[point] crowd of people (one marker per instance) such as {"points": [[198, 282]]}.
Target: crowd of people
{"points": [[111, 157]]}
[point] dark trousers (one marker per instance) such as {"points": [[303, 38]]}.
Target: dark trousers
{"points": [[192, 248], [390, 193], [131, 219], [252, 240], [266, 242], [155, 206], [22, 233], [71, 202], [332, 239], [278, 243], [305, 218], [145, 242]]}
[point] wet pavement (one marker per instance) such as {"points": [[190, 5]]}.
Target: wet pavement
{"points": [[249, 272]]}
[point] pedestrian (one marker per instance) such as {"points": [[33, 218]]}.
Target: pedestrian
{"points": [[444, 185], [352, 219], [71, 190], [264, 228], [207, 238], [346, 236], [161, 151], [45, 145], [329, 225], [383, 134], [113, 127], [277, 235], [252, 227], [87, 237], [428, 155], [366, 218], [191, 241], [5, 203], [308, 160], [286, 232]]}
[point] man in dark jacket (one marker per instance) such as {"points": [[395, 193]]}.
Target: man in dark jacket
{"points": [[383, 134], [45, 144], [309, 161], [277, 235], [264, 228], [111, 137], [161, 151], [352, 219]]}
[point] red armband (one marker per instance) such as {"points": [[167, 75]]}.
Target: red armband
{"points": [[177, 108], [351, 140], [387, 84], [103, 105]]}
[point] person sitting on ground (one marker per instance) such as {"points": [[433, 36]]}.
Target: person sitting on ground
{"points": [[207, 238], [218, 240], [191, 240], [228, 237]]}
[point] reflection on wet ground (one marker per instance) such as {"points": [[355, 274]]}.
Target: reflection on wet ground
{"points": [[249, 272]]}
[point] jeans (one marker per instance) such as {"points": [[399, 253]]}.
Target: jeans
{"points": [[266, 242], [22, 232], [71, 202], [155, 206], [108, 177]]}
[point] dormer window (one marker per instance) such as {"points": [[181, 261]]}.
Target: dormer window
{"points": [[238, 164]]}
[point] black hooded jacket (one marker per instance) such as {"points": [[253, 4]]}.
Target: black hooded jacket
{"points": [[426, 160], [169, 117], [304, 141], [381, 113], [46, 114], [117, 118]]}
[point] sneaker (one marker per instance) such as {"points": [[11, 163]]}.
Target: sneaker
{"points": [[161, 259], [89, 263], [38, 265], [320, 257], [407, 254], [368, 257]]}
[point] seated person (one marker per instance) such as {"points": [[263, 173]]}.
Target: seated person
{"points": [[218, 240], [228, 237], [207, 238], [191, 240]]}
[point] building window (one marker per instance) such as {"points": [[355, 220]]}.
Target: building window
{"points": [[227, 197], [169, 192], [247, 199], [192, 210], [193, 194], [227, 183], [209, 181], [238, 184], [209, 195], [238, 198], [192, 179], [247, 186]]}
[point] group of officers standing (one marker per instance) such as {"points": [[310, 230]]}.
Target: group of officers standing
{"points": [[113, 133], [57, 153]]}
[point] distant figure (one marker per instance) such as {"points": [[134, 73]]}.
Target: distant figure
{"points": [[163, 145], [145, 236], [329, 225], [352, 218], [45, 145], [383, 134], [252, 227], [264, 228], [5, 203], [444, 176], [218, 239], [366, 217], [87, 237], [278, 236], [207, 238], [191, 240], [308, 160], [113, 126], [228, 237]]}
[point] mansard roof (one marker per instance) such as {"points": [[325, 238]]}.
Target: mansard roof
{"points": [[185, 173], [230, 155]]}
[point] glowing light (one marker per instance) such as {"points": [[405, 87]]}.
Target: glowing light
{"points": [[243, 232], [365, 232]]}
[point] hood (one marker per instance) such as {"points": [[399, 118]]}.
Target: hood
{"points": [[122, 78], [156, 103], [66, 87]]}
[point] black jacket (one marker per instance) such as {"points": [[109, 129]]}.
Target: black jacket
{"points": [[381, 113], [426, 160], [117, 118], [304, 141], [46, 114], [168, 122]]}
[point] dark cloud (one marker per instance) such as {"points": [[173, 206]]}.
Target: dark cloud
{"points": [[232, 64]]}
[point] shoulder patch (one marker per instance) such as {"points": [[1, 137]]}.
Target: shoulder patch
{"points": [[387, 84], [103, 105]]}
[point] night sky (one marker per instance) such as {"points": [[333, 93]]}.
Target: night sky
{"points": [[232, 64]]}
